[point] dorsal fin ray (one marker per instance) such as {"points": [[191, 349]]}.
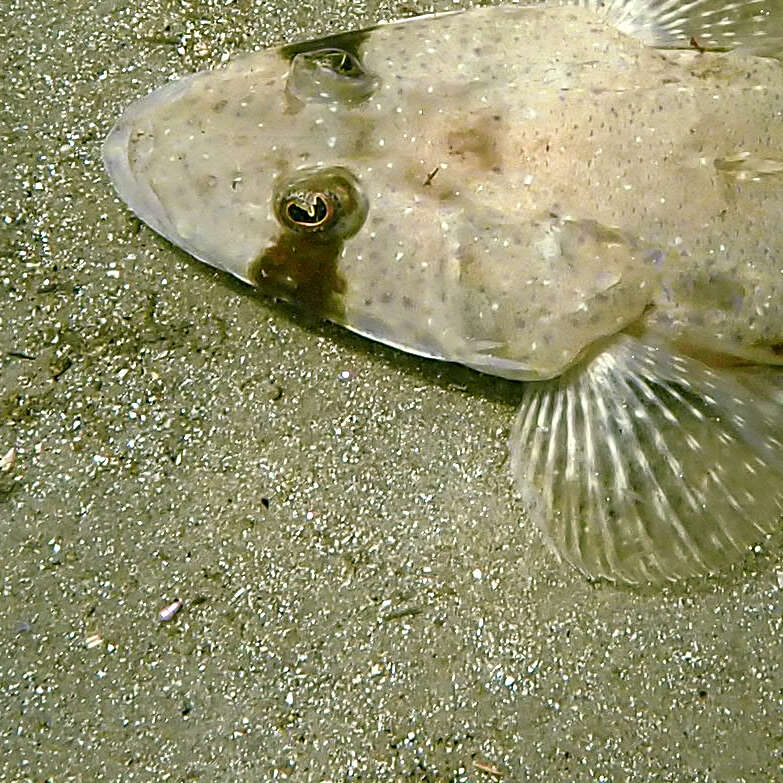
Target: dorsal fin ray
{"points": [[754, 26]]}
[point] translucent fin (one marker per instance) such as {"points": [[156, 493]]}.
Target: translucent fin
{"points": [[749, 165], [642, 466], [755, 26]]}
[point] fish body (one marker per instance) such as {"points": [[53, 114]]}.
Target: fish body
{"points": [[555, 194]]}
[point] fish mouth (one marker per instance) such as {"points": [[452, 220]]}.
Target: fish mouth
{"points": [[185, 160], [124, 158], [127, 155]]}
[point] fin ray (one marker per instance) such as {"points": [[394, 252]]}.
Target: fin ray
{"points": [[753, 26], [646, 466]]}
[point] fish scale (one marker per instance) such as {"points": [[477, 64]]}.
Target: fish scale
{"points": [[581, 196]]}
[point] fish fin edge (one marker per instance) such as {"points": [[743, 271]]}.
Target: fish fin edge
{"points": [[751, 26]]}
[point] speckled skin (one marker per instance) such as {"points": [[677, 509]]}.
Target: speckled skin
{"points": [[536, 180], [536, 195]]}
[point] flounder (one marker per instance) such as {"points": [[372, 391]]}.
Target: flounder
{"points": [[586, 197]]}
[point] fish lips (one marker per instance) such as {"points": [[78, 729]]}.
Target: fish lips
{"points": [[221, 235], [124, 136]]}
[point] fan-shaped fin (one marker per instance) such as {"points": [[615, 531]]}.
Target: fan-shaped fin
{"points": [[645, 466]]}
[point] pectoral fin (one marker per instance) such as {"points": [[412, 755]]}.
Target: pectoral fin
{"points": [[644, 466]]}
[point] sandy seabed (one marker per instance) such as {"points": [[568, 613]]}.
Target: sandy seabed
{"points": [[362, 599]]}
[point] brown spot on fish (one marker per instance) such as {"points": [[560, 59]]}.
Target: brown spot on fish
{"points": [[302, 269], [475, 146], [431, 175]]}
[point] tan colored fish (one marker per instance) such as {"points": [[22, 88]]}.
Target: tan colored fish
{"points": [[587, 197]]}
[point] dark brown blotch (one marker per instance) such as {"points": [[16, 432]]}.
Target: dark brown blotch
{"points": [[302, 269], [350, 42], [478, 142]]}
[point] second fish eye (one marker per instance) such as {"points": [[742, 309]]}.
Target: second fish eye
{"points": [[330, 75]]}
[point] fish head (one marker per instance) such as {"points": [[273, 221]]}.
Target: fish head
{"points": [[224, 163], [340, 175]]}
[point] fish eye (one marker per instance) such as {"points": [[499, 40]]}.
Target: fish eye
{"points": [[328, 75], [339, 61], [325, 202]]}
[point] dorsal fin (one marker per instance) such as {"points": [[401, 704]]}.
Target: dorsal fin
{"points": [[753, 26]]}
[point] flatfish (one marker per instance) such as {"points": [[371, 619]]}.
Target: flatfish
{"points": [[584, 197]]}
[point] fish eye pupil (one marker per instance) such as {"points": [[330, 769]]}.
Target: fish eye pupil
{"points": [[310, 213], [341, 62]]}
